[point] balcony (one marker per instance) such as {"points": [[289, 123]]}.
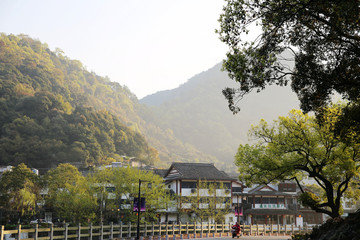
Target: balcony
{"points": [[269, 206]]}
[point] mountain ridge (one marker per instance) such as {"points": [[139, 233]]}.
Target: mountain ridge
{"points": [[197, 112], [53, 101], [76, 111]]}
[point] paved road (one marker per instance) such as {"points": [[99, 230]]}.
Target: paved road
{"points": [[248, 238]]}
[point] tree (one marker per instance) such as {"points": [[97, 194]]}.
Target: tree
{"points": [[300, 146], [76, 203], [101, 181], [210, 202], [126, 182], [322, 37], [20, 191], [70, 195]]}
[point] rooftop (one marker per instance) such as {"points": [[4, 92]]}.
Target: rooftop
{"points": [[193, 171]]}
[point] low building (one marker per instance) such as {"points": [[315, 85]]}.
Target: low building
{"points": [[276, 204]]}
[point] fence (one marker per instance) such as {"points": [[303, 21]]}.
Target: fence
{"points": [[151, 231]]}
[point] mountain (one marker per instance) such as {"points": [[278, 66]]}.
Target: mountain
{"points": [[52, 110], [197, 113]]}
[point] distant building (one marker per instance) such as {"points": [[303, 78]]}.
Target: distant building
{"points": [[9, 168], [4, 169]]}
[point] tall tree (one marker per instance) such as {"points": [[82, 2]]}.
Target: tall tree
{"points": [[300, 146], [20, 191], [322, 37], [101, 183], [70, 195], [152, 188]]}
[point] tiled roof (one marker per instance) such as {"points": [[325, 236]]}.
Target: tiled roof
{"points": [[258, 188], [160, 172], [196, 171]]}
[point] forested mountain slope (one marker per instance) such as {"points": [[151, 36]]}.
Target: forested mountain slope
{"points": [[197, 112], [53, 110]]}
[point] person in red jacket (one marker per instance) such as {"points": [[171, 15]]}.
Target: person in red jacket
{"points": [[236, 230]]}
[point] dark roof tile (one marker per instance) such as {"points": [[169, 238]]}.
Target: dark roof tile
{"points": [[196, 171]]}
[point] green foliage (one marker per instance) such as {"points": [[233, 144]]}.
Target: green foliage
{"points": [[115, 189], [211, 202], [20, 191], [322, 36], [104, 195], [72, 115], [302, 146], [70, 195], [126, 182], [52, 110], [309, 199]]}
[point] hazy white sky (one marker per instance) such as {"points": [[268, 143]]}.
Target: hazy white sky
{"points": [[147, 45]]}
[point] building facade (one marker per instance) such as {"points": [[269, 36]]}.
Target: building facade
{"points": [[198, 186], [276, 204], [261, 204]]}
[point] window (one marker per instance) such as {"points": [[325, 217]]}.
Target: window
{"points": [[110, 189], [236, 189], [273, 200], [189, 199], [227, 185], [188, 185], [223, 200]]}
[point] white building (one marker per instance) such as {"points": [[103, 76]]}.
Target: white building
{"points": [[189, 180]]}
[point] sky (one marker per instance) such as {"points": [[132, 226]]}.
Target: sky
{"points": [[147, 45]]}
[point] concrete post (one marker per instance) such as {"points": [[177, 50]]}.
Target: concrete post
{"points": [[19, 232]]}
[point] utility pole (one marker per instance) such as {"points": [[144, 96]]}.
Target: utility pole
{"points": [[138, 212], [238, 209]]}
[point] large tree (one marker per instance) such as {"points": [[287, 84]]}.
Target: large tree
{"points": [[20, 191], [152, 188], [70, 195], [300, 146], [323, 37]]}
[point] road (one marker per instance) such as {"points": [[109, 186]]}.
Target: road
{"points": [[247, 238]]}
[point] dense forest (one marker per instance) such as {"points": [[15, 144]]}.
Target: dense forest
{"points": [[52, 110]]}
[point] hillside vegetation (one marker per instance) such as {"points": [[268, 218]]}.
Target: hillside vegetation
{"points": [[52, 110], [197, 112]]}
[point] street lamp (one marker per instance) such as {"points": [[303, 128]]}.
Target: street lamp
{"points": [[238, 209], [138, 210]]}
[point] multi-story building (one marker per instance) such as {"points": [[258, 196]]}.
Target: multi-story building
{"points": [[265, 204], [190, 183], [276, 204], [262, 204]]}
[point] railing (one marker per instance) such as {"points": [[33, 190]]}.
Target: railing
{"points": [[151, 231]]}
